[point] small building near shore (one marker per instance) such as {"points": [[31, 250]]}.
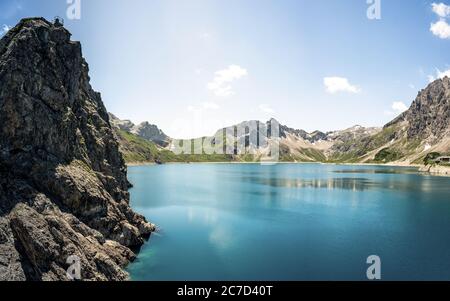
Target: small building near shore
{"points": [[442, 159]]}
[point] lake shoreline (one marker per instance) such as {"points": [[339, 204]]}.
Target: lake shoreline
{"points": [[442, 171], [422, 169], [133, 164], [437, 170]]}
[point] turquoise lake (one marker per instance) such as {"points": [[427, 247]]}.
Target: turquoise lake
{"points": [[291, 222]]}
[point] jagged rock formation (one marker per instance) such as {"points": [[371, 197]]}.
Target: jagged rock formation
{"points": [[63, 182], [428, 118], [322, 147], [311, 137], [144, 130], [152, 133], [124, 125], [424, 128]]}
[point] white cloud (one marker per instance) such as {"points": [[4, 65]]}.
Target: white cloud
{"points": [[339, 84], [220, 86], [266, 109], [439, 75], [441, 9], [442, 74], [399, 107], [5, 28], [441, 29], [412, 86]]}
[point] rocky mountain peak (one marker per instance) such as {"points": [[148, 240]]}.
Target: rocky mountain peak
{"points": [[152, 133], [144, 130], [63, 182], [428, 118], [124, 125]]}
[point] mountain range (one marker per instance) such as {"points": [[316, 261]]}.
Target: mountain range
{"points": [[423, 129]]}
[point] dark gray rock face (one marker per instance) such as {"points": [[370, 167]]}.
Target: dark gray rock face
{"points": [[63, 182], [284, 130]]}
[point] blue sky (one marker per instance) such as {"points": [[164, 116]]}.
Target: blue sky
{"points": [[193, 66]]}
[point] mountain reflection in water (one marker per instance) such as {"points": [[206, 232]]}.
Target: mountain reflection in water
{"points": [[378, 171], [290, 222], [356, 184]]}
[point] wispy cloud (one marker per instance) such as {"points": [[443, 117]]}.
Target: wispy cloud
{"points": [[439, 75], [441, 28], [221, 84], [441, 9], [266, 109], [5, 28], [397, 108], [442, 74], [337, 84]]}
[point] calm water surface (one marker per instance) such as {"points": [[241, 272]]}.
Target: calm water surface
{"points": [[291, 222]]}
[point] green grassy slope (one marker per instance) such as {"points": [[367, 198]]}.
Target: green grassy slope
{"points": [[138, 150], [390, 147]]}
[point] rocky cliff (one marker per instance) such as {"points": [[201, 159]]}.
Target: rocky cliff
{"points": [[423, 129], [63, 182], [428, 118]]}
